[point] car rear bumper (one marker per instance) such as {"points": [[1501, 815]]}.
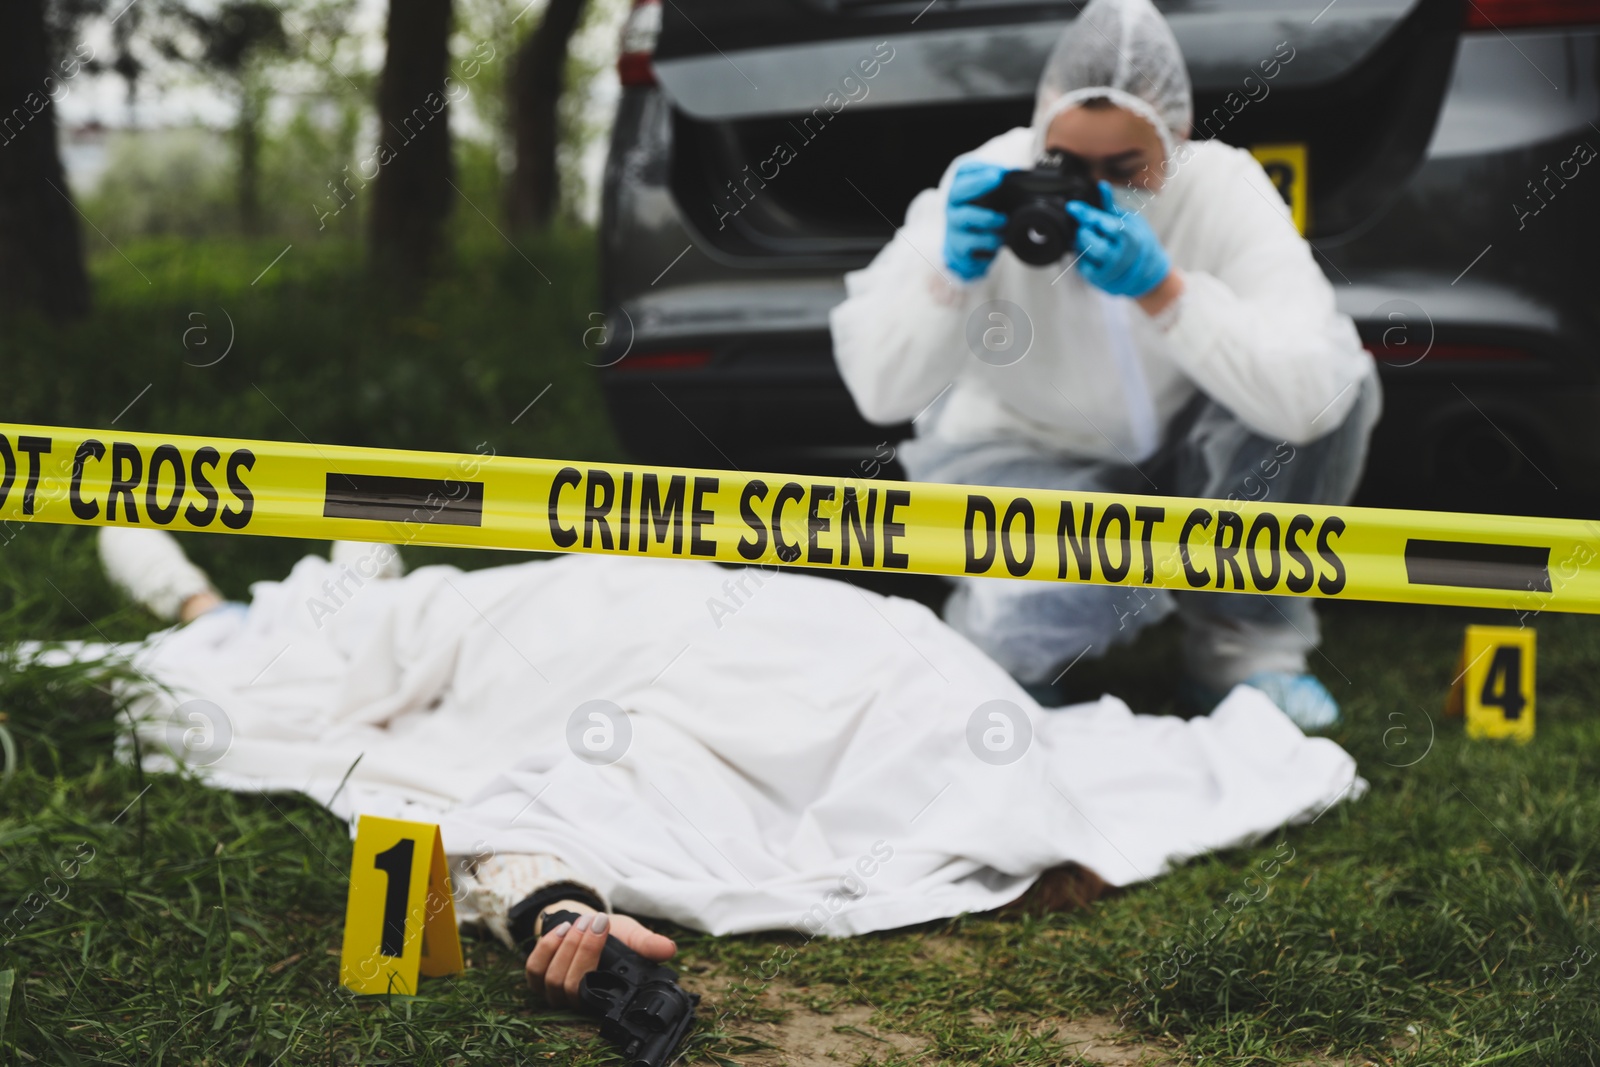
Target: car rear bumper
{"points": [[1486, 396]]}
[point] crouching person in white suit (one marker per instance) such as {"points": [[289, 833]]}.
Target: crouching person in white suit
{"points": [[1187, 344]]}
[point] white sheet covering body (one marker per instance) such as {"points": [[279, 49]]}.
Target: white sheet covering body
{"points": [[799, 753]]}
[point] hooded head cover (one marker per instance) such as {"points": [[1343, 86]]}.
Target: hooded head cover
{"points": [[1124, 51]]}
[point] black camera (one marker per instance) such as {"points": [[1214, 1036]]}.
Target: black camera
{"points": [[1038, 228]]}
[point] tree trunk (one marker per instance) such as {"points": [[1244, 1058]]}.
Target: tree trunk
{"points": [[41, 252], [538, 77], [412, 194]]}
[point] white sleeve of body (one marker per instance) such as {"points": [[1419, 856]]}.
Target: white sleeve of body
{"points": [[488, 887], [1260, 332], [899, 335]]}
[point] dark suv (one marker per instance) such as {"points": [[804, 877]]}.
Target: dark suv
{"points": [[1438, 155]]}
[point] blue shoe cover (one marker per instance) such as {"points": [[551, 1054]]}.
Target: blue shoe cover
{"points": [[1301, 697]]}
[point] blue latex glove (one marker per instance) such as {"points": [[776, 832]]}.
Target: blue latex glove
{"points": [[972, 234], [1120, 252]]}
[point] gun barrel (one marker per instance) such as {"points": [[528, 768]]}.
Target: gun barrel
{"points": [[659, 1050]]}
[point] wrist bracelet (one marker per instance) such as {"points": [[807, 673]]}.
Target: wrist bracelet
{"points": [[523, 918]]}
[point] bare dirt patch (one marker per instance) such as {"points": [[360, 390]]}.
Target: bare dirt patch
{"points": [[1099, 1040], [786, 1020], [808, 1038]]}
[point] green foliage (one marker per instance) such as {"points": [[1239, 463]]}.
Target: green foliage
{"points": [[305, 162], [581, 124], [230, 37], [485, 43], [182, 182], [319, 353], [306, 101], [175, 182], [496, 29]]}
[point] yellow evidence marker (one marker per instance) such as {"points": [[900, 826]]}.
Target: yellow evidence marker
{"points": [[1495, 682], [1286, 165], [400, 918]]}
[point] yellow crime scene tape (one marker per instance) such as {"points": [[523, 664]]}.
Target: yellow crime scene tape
{"points": [[93, 477]]}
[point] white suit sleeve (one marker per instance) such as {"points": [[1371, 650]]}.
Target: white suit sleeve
{"points": [[1259, 331], [899, 335]]}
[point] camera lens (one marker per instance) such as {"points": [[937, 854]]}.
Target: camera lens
{"points": [[1037, 232]]}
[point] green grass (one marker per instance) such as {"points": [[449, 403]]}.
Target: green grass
{"points": [[1445, 919]]}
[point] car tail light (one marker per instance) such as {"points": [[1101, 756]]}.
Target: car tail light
{"points": [[1506, 14], [639, 34], [686, 359]]}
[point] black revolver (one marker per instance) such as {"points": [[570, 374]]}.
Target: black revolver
{"points": [[641, 1007]]}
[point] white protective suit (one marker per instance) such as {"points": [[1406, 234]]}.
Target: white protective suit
{"points": [[1256, 330]]}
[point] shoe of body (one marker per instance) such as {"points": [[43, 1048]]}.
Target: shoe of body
{"points": [[150, 567], [1302, 697]]}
